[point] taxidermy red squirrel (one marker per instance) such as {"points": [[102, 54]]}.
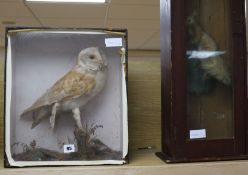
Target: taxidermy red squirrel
{"points": [[199, 40]]}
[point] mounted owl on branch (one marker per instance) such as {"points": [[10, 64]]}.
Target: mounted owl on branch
{"points": [[206, 64], [73, 90]]}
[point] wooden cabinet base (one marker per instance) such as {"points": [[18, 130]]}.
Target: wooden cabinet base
{"points": [[168, 159]]}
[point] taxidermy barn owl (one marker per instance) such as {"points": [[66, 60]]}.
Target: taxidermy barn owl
{"points": [[73, 90], [205, 66]]}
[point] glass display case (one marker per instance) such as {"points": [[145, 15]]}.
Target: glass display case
{"points": [[64, 88], [204, 84]]}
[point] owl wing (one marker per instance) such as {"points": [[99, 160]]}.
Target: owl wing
{"points": [[72, 85]]}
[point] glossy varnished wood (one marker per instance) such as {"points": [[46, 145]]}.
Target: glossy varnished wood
{"points": [[175, 143], [166, 77]]}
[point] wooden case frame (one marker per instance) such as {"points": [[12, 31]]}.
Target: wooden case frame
{"points": [[175, 145]]}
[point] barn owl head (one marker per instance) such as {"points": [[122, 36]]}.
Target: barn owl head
{"points": [[92, 58]]}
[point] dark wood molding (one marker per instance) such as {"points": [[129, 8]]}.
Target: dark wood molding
{"points": [[174, 96]]}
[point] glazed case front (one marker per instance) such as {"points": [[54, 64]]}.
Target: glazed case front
{"points": [[64, 88], [204, 85]]}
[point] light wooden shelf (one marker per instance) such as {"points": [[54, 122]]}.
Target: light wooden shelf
{"points": [[141, 163]]}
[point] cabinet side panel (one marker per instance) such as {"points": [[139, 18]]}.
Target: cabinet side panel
{"points": [[166, 84]]}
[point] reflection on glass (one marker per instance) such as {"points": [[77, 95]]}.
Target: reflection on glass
{"points": [[209, 80]]}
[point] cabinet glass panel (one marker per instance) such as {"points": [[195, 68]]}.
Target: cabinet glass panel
{"points": [[209, 70]]}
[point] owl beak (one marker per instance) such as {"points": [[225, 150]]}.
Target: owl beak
{"points": [[102, 66]]}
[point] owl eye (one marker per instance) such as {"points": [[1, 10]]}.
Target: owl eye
{"points": [[92, 57]]}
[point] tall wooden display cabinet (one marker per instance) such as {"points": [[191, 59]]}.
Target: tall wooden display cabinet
{"points": [[204, 80]]}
